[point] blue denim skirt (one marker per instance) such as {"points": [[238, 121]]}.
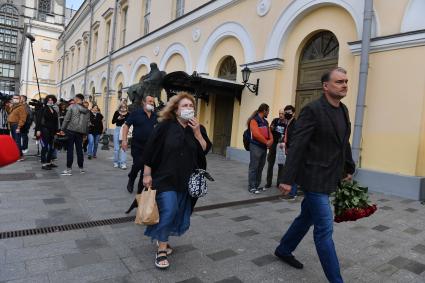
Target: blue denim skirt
{"points": [[174, 215]]}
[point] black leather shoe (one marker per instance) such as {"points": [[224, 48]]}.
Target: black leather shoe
{"points": [[130, 188], [267, 186], [290, 260]]}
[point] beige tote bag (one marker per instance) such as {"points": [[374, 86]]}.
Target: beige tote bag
{"points": [[147, 210]]}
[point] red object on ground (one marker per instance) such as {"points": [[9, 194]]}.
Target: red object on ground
{"points": [[9, 152], [353, 214]]}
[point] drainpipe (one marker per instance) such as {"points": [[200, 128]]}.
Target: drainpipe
{"points": [[361, 96], [63, 66], [89, 50], [108, 76]]}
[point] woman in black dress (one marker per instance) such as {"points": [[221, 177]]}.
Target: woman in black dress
{"points": [[176, 148]]}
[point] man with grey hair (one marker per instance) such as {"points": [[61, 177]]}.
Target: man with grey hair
{"points": [[318, 159]]}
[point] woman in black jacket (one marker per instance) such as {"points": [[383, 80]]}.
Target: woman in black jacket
{"points": [[176, 148], [95, 130], [47, 125]]}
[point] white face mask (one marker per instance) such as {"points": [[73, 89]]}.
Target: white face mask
{"points": [[16, 101], [50, 103], [150, 108], [187, 114]]}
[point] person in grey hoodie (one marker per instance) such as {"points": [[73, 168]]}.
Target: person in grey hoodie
{"points": [[75, 125]]}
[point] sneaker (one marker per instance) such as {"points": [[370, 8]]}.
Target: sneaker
{"points": [[290, 260], [262, 189], [25, 151], [67, 172], [116, 165], [46, 167], [94, 156], [52, 165], [82, 171], [267, 186], [21, 159], [254, 191], [89, 157], [123, 167], [288, 197]]}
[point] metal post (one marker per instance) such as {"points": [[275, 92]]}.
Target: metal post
{"points": [[35, 69], [361, 96]]}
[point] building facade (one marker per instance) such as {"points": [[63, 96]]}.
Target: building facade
{"points": [[108, 46], [44, 20]]}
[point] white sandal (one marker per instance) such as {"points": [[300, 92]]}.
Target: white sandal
{"points": [[161, 258]]}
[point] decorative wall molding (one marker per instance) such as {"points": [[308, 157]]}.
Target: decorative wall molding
{"points": [[263, 7], [265, 65], [391, 42], [176, 48], [229, 29], [196, 34], [413, 16], [294, 13], [142, 61]]}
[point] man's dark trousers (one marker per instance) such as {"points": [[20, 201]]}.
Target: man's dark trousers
{"points": [[16, 137], [137, 154], [77, 140], [271, 158], [315, 210], [24, 138]]}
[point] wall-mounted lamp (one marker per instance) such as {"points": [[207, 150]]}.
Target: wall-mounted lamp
{"points": [[246, 72]]}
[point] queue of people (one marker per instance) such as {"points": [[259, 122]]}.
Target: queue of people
{"points": [[167, 147]]}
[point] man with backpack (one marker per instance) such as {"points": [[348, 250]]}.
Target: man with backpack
{"points": [[261, 139]]}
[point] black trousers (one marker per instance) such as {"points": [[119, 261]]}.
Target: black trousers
{"points": [[137, 154], [271, 158]]}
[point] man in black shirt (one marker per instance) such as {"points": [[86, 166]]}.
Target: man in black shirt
{"points": [[318, 158], [143, 121]]}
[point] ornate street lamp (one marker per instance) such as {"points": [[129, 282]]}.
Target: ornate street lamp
{"points": [[246, 72]]}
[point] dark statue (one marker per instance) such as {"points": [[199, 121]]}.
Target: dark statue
{"points": [[151, 85]]}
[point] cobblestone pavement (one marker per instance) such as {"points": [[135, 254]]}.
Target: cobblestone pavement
{"points": [[231, 244]]}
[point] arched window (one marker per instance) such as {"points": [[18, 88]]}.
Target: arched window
{"points": [[119, 91], [228, 69], [322, 46], [9, 15], [319, 55]]}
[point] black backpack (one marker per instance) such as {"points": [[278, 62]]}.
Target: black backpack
{"points": [[246, 139]]}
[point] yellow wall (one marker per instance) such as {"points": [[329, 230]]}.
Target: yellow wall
{"points": [[394, 112], [390, 14], [175, 63]]}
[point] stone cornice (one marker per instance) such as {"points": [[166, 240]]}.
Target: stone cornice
{"points": [[95, 25], [265, 65], [391, 42], [108, 13], [78, 42]]}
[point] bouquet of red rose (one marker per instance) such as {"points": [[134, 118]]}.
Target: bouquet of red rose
{"points": [[351, 202]]}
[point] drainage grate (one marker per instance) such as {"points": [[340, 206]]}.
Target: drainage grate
{"points": [[112, 221], [65, 227]]}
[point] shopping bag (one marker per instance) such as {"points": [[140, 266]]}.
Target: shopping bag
{"points": [[9, 152], [280, 155], [147, 210]]}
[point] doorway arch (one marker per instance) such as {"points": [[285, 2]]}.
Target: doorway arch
{"points": [[223, 113], [319, 55]]}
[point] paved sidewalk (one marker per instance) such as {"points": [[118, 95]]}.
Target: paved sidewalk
{"points": [[233, 244]]}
